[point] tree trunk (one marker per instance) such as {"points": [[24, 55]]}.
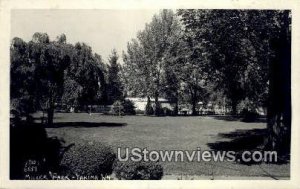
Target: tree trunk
{"points": [[234, 107], [29, 118], [279, 106], [175, 112], [194, 104], [50, 114], [148, 108], [157, 106]]}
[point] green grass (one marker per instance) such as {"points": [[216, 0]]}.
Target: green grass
{"points": [[165, 133]]}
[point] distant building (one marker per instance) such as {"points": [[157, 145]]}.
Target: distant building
{"points": [[140, 103]]}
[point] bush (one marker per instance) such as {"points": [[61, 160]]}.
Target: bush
{"points": [[249, 116], [89, 160], [138, 111], [130, 170], [166, 111], [124, 107], [247, 109], [128, 107], [159, 110]]}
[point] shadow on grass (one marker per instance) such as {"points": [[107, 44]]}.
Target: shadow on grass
{"points": [[246, 140], [86, 124], [240, 118], [241, 140]]}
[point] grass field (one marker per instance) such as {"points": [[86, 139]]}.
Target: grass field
{"points": [[173, 133]]}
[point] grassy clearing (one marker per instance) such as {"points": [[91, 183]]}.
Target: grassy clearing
{"points": [[166, 133]]}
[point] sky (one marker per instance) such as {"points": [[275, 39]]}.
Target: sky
{"points": [[103, 30]]}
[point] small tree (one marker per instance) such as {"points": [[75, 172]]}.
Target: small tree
{"points": [[129, 108], [123, 107], [149, 109], [114, 84]]}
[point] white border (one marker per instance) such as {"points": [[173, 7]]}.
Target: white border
{"points": [[6, 6]]}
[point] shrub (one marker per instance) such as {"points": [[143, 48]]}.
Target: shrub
{"points": [[124, 107], [249, 116], [89, 160], [141, 170], [247, 109], [166, 111], [158, 109], [138, 111], [117, 108], [128, 107]]}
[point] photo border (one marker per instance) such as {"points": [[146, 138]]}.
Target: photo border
{"points": [[5, 9]]}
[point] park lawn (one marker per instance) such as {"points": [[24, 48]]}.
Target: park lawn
{"points": [[167, 133]]}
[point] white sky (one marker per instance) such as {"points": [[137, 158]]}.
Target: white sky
{"points": [[103, 30]]}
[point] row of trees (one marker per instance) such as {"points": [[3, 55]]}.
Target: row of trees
{"points": [[200, 55], [44, 73], [195, 54], [191, 56]]}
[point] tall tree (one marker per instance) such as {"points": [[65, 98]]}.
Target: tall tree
{"points": [[146, 54], [185, 70], [238, 60], [135, 70], [114, 84], [84, 78], [102, 79], [279, 103], [50, 59]]}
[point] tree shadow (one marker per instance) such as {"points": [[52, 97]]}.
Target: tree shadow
{"points": [[226, 118], [241, 140], [85, 124], [261, 119], [246, 140]]}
